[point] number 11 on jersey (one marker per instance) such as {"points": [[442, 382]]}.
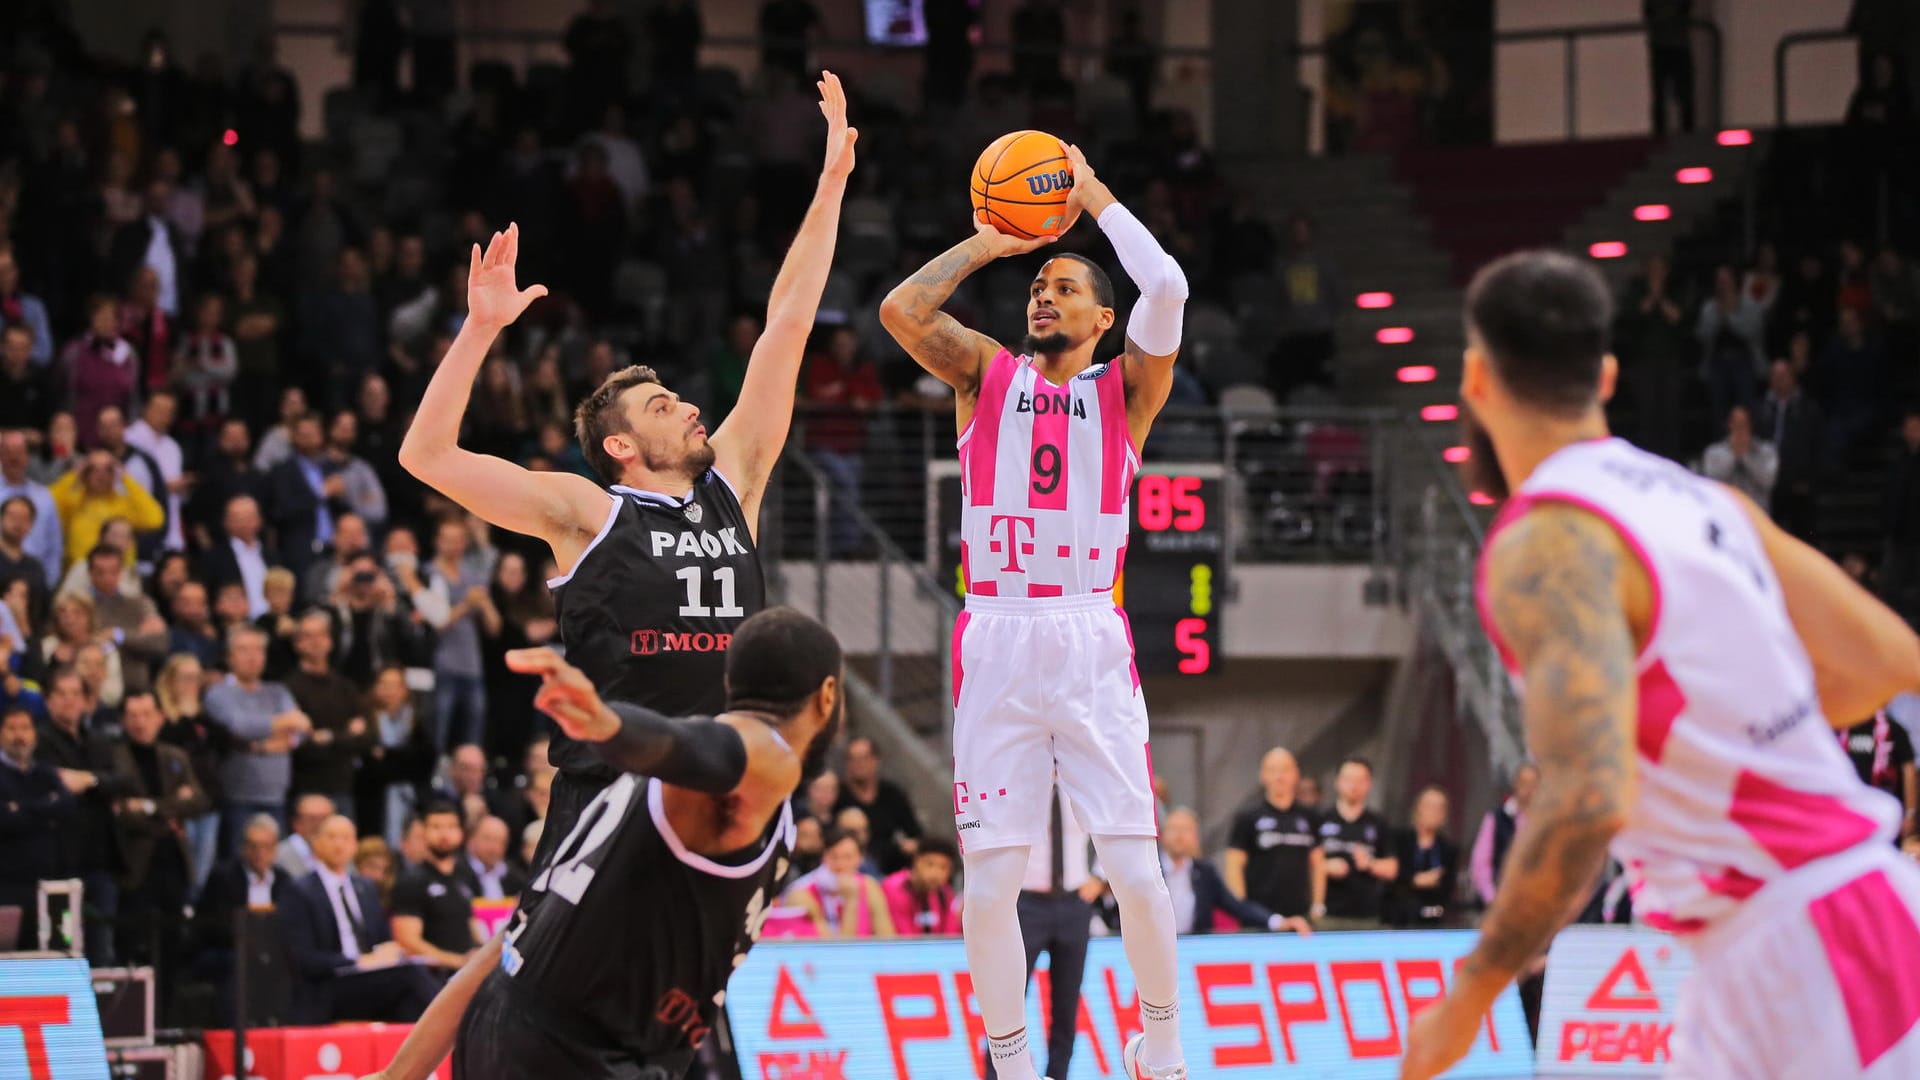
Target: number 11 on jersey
{"points": [[693, 608]]}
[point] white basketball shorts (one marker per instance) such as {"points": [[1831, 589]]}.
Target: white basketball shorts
{"points": [[1040, 682], [1815, 977]]}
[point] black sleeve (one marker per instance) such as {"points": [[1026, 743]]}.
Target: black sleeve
{"points": [[904, 814], [409, 896], [1902, 743], [1240, 837], [694, 753], [1250, 915]]}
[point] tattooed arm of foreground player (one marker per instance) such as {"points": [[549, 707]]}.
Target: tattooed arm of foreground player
{"points": [[1563, 592]]}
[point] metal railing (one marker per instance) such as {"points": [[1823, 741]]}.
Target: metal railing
{"points": [[1780, 54], [1322, 485], [1305, 487], [1570, 38], [1434, 535]]}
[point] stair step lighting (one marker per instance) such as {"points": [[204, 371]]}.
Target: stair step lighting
{"points": [[1393, 335], [1697, 174], [1479, 498], [1736, 137], [1608, 249], [1416, 373], [1652, 212], [1456, 454], [1440, 412], [1373, 301]]}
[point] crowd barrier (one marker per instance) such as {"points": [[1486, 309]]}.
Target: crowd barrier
{"points": [[1271, 1005], [1251, 1006], [1610, 1000]]}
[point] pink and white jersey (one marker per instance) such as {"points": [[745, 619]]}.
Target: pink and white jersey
{"points": [[1044, 476], [1741, 779]]}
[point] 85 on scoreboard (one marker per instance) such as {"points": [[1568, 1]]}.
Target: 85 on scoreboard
{"points": [[1174, 580]]}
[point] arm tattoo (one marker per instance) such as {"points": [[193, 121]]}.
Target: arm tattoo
{"points": [[935, 339], [1553, 584]]}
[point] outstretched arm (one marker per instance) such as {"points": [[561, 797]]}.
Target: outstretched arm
{"points": [[937, 342], [1153, 327], [1863, 653], [563, 509], [747, 444], [1560, 582], [699, 755]]}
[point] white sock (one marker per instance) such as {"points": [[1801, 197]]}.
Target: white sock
{"points": [[997, 955], [1132, 866], [1162, 1026], [1011, 1061]]}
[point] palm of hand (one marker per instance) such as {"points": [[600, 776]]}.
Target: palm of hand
{"points": [[840, 137], [494, 297]]}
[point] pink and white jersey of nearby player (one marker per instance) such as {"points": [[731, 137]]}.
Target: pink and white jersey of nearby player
{"points": [[1044, 476], [1740, 778]]}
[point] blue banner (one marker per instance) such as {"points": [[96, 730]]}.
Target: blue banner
{"points": [[1252, 1005], [49, 1023]]}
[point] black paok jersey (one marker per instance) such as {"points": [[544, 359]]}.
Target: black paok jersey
{"points": [[633, 934], [649, 611]]}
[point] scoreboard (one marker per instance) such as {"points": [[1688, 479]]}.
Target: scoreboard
{"points": [[1174, 579]]}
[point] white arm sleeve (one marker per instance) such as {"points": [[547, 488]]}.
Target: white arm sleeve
{"points": [[1155, 322]]}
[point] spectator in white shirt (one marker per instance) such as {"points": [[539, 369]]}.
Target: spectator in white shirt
{"points": [[152, 434], [1748, 464]]}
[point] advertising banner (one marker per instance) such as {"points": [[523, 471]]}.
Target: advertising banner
{"points": [[1256, 1005], [49, 1021], [1609, 1002]]}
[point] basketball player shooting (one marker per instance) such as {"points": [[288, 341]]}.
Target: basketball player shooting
{"points": [[1680, 661], [616, 963], [1043, 660], [660, 567]]}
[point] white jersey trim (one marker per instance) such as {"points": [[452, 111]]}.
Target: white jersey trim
{"points": [[656, 805], [605, 528]]}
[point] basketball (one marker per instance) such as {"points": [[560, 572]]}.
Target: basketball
{"points": [[1020, 185]]}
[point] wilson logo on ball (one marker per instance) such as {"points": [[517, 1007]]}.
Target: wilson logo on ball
{"points": [[1047, 183]]}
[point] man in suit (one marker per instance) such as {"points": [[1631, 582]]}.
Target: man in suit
{"points": [[297, 857], [89, 846], [1199, 892], [224, 474], [161, 794], [1796, 427], [151, 242], [250, 882], [304, 498], [35, 805], [346, 964], [241, 555]]}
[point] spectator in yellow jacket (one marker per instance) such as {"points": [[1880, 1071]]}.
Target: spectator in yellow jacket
{"points": [[95, 491]]}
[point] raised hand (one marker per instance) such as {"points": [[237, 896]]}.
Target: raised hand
{"points": [[1000, 245], [566, 694], [1088, 193], [493, 297], [840, 137]]}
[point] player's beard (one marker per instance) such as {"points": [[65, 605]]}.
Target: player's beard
{"points": [[1483, 464], [1046, 344], [439, 854], [815, 761], [692, 458]]}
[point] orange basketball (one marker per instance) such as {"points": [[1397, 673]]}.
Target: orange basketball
{"points": [[1020, 185]]}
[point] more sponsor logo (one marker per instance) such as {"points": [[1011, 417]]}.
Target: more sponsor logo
{"points": [[654, 642]]}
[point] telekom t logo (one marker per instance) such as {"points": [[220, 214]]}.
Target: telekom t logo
{"points": [[30, 1015], [1014, 544]]}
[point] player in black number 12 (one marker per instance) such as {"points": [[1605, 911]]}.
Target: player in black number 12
{"points": [[616, 964]]}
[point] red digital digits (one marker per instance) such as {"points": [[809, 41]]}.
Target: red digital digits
{"points": [[1196, 656], [1171, 502]]}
